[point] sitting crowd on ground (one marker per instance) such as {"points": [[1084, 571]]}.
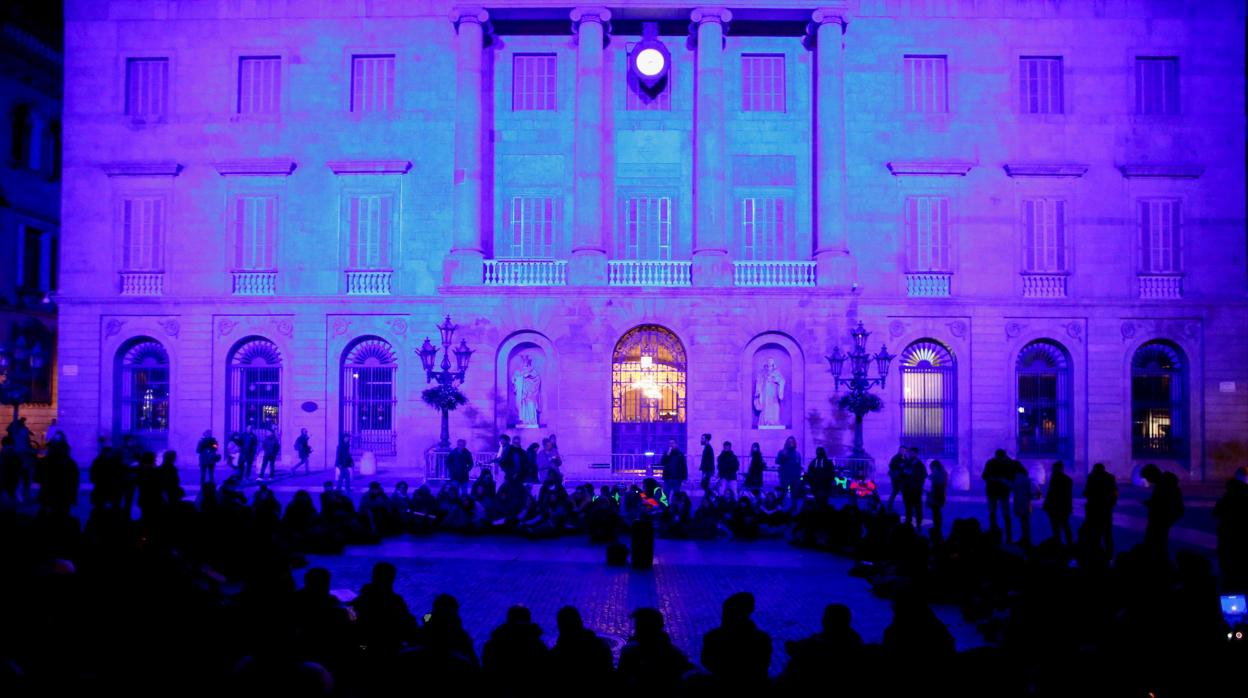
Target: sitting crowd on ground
{"points": [[199, 596]]}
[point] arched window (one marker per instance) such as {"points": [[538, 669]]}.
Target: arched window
{"points": [[1043, 375], [929, 399], [1158, 401], [141, 393], [647, 394], [368, 395], [254, 387]]}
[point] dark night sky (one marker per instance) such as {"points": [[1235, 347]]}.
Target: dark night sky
{"points": [[43, 18]]}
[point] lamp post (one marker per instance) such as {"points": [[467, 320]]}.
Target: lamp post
{"points": [[860, 401], [18, 365], [444, 375]]}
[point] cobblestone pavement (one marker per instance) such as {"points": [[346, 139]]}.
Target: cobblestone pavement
{"points": [[688, 584]]}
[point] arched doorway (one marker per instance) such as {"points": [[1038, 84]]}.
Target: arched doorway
{"points": [[254, 387], [647, 395], [1042, 372], [1159, 402], [369, 397], [141, 393], [929, 403]]}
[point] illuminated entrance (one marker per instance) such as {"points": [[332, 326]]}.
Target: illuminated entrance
{"points": [[647, 396]]}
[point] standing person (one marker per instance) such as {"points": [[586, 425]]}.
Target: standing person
{"points": [[789, 465], [939, 486], [1231, 511], [459, 468], [707, 468], [271, 448], [1059, 502], [754, 474], [232, 449], [1021, 485], [344, 462], [51, 433], [675, 470], [913, 476], [531, 473], [998, 475], [726, 467], [248, 445], [510, 459], [820, 476], [209, 453], [1165, 508], [303, 449], [24, 450], [1100, 495], [545, 462], [896, 466]]}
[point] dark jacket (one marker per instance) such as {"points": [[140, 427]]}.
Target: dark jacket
{"points": [[302, 447], [458, 464], [675, 466], [913, 475], [1101, 492], [1166, 504], [585, 657], [650, 661], [727, 465], [999, 474], [512, 462], [247, 444], [737, 654], [343, 458], [754, 475], [708, 460], [789, 463], [1059, 499], [209, 452]]}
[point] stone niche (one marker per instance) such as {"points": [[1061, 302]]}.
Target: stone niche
{"points": [[767, 357], [529, 358]]}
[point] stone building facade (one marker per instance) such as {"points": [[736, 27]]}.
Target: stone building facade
{"points": [[1037, 206]]}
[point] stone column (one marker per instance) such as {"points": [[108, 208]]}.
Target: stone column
{"points": [[711, 264], [834, 265], [464, 266], [588, 265]]}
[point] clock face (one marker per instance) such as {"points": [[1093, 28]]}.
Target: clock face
{"points": [[649, 62]]}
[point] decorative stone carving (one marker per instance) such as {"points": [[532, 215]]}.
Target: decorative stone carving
{"points": [[398, 326], [768, 394], [1128, 330], [1013, 329], [1191, 329], [225, 327], [284, 326], [170, 325], [896, 328], [1074, 330], [957, 328], [341, 326], [113, 327]]}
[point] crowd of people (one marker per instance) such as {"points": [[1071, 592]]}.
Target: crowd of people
{"points": [[199, 596]]}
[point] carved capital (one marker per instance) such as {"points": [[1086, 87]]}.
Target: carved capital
{"points": [[701, 15], [475, 15], [592, 13], [829, 15]]}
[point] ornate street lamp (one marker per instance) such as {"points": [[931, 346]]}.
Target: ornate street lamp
{"points": [[446, 396], [19, 364], [859, 400]]}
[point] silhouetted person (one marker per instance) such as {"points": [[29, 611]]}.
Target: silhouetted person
{"points": [[913, 477], [514, 658], [324, 631], [817, 660], [938, 483], [271, 448], [675, 470], [248, 446], [820, 476], [707, 466], [998, 476], [1022, 503], [382, 617], [582, 658], [459, 467], [443, 644], [209, 453], [649, 661], [754, 473], [789, 466], [1100, 494], [737, 653], [303, 450], [916, 636], [727, 465], [1059, 503], [343, 463], [1231, 511], [1165, 508], [896, 468]]}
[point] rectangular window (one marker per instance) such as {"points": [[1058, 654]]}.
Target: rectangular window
{"points": [[147, 87], [143, 233], [259, 85], [762, 82], [638, 98], [1156, 85], [533, 221], [255, 233], [1040, 85], [32, 259], [927, 233], [372, 83], [368, 223], [1044, 235], [926, 84], [765, 231], [647, 228], [1160, 227], [534, 83]]}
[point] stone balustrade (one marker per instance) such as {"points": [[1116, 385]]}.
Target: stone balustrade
{"points": [[928, 284], [773, 274], [649, 272], [526, 272], [254, 283], [1154, 286], [145, 283], [369, 283], [1044, 285]]}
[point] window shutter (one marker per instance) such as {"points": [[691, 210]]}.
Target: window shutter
{"points": [[385, 206], [943, 249], [1176, 238], [912, 240], [156, 251], [1029, 234], [1146, 246], [240, 233], [127, 234], [269, 259], [353, 228], [1059, 223]]}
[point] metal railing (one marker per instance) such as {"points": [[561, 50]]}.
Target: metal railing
{"points": [[649, 272], [254, 283], [526, 272], [928, 284], [773, 274], [435, 463], [369, 283], [147, 283], [1044, 285], [1161, 286]]}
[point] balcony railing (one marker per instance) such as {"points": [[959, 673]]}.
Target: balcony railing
{"points": [[1161, 286], [773, 274], [928, 284], [648, 272], [1044, 285], [369, 283], [526, 272], [254, 283], [145, 283]]}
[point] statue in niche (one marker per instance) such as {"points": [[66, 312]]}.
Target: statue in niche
{"points": [[527, 383], [768, 394]]}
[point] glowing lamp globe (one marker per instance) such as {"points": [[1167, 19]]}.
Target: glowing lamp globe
{"points": [[649, 60]]}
